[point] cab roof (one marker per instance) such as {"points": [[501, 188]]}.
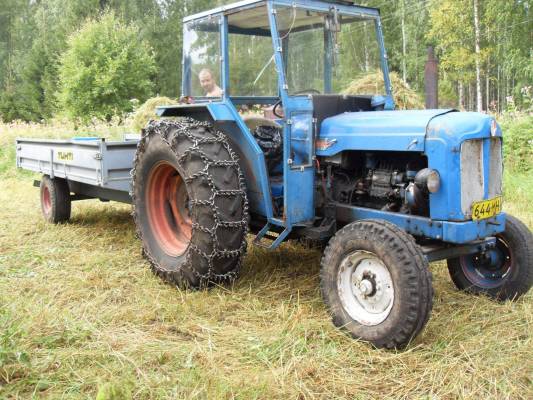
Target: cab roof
{"points": [[318, 5]]}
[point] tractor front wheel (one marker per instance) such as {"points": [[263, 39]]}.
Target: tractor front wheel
{"points": [[503, 273], [376, 283], [189, 203]]}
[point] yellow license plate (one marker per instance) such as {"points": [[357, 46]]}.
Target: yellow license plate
{"points": [[487, 208]]}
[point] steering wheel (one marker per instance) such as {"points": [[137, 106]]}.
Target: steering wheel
{"points": [[275, 109], [307, 91], [279, 102]]}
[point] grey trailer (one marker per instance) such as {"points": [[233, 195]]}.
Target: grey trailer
{"points": [[84, 167]]}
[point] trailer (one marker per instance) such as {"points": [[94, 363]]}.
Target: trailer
{"points": [[78, 169]]}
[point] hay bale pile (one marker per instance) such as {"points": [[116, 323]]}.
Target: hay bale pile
{"points": [[146, 112], [404, 97]]}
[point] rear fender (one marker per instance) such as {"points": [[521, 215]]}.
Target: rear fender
{"points": [[224, 116], [200, 112]]}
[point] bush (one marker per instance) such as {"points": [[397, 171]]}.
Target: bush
{"points": [[518, 142], [146, 112], [105, 65], [10, 110]]}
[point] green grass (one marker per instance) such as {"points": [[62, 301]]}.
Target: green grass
{"points": [[82, 316]]}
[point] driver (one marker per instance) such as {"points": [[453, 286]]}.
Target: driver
{"points": [[208, 83]]}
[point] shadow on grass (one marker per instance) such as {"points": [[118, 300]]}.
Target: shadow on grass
{"points": [[291, 268], [93, 212]]}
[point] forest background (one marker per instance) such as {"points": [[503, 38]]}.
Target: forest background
{"points": [[484, 47]]}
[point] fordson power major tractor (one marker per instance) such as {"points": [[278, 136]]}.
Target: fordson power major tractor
{"points": [[266, 142]]}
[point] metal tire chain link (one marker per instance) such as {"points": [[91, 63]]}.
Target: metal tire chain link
{"points": [[182, 125]]}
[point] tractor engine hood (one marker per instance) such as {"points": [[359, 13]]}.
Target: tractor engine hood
{"points": [[376, 130], [460, 126]]}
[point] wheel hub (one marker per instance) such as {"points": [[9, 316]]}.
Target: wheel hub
{"points": [[46, 200], [365, 288], [489, 269]]}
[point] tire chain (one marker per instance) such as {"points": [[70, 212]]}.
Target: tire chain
{"points": [[183, 125]]}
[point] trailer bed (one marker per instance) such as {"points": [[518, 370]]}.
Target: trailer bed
{"points": [[93, 167]]}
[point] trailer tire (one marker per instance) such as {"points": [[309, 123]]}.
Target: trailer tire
{"points": [[55, 199], [360, 265], [189, 203], [504, 273]]}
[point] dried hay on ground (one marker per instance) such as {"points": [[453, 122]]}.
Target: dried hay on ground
{"points": [[80, 312]]}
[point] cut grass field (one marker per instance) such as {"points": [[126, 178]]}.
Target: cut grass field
{"points": [[82, 316]]}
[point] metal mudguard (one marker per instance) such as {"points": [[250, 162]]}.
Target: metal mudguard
{"points": [[226, 118]]}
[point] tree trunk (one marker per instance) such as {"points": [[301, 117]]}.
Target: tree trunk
{"points": [[404, 44], [488, 101], [487, 90], [10, 53], [498, 96], [461, 96], [479, 98], [367, 57], [471, 101]]}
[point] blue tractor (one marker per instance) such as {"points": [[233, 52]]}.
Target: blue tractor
{"points": [[267, 142]]}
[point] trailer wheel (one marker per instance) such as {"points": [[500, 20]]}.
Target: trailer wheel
{"points": [[503, 273], [376, 283], [189, 203], [55, 199]]}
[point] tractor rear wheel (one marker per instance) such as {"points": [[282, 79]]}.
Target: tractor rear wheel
{"points": [[376, 283], [189, 203]]}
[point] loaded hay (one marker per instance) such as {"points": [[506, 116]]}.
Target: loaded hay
{"points": [[404, 97], [146, 112]]}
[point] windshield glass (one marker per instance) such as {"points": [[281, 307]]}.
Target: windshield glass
{"points": [[201, 58], [329, 52], [250, 40]]}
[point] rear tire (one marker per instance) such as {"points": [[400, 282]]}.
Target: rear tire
{"points": [[504, 273], [189, 203], [55, 199], [376, 283]]}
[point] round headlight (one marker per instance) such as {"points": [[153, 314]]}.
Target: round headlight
{"points": [[428, 180], [433, 181]]}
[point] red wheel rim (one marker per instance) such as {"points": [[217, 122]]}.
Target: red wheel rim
{"points": [[46, 202], [167, 205]]}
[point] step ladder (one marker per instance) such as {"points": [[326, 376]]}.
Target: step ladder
{"points": [[271, 236]]}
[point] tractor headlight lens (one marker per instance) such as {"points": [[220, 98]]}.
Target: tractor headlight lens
{"points": [[428, 180], [433, 181]]}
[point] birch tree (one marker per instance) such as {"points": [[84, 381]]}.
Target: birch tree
{"points": [[452, 32], [479, 98]]}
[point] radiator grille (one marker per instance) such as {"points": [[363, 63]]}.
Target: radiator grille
{"points": [[496, 168], [473, 181]]}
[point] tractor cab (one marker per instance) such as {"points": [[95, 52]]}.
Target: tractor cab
{"points": [[274, 71], [318, 50]]}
